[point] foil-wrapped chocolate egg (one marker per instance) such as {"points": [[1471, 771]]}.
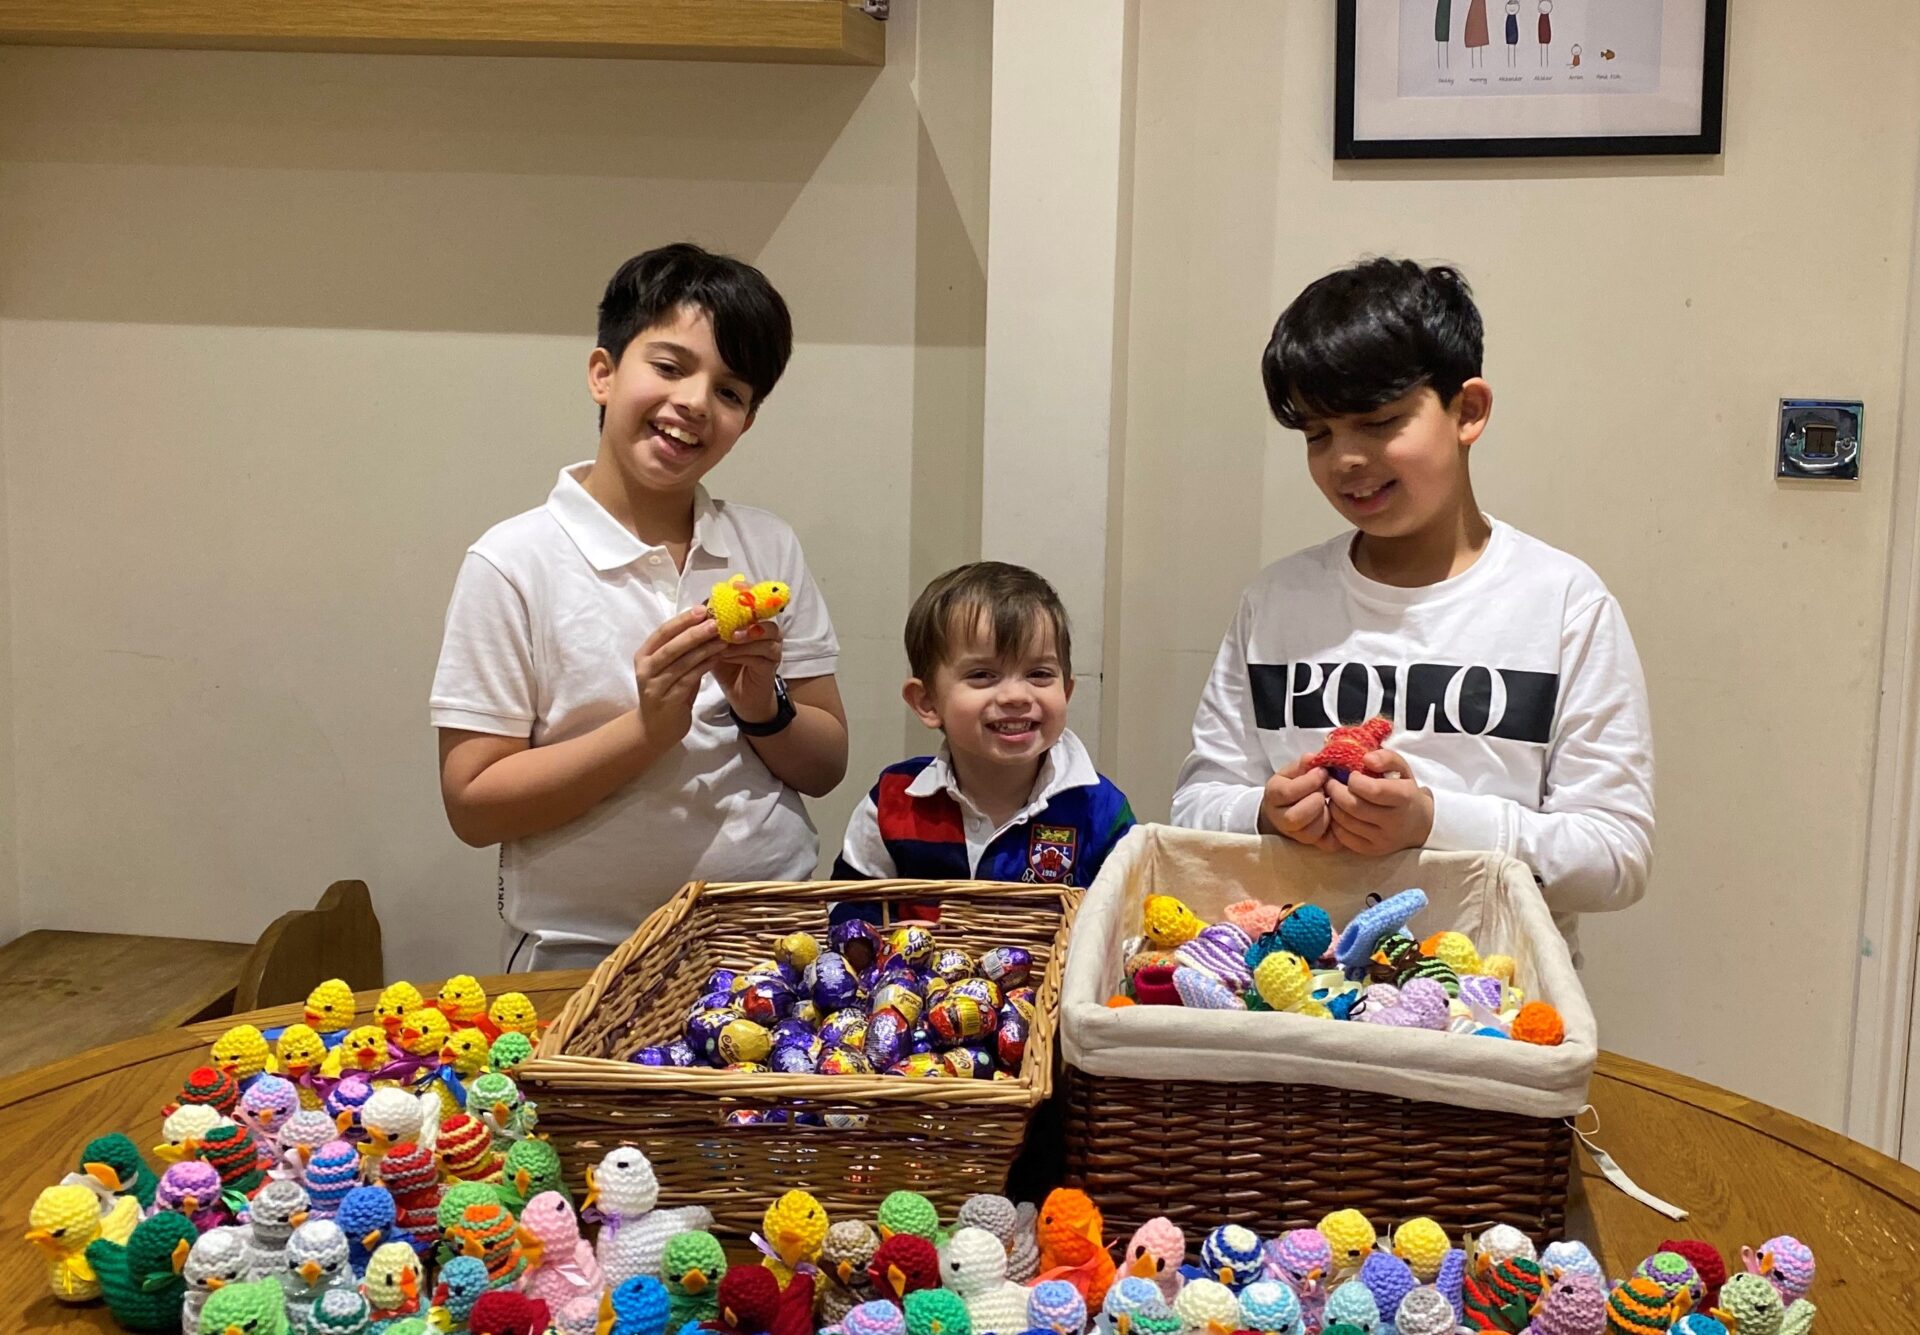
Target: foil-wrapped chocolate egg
{"points": [[795, 951], [720, 980], [788, 1032], [1010, 1043], [1009, 966], [703, 1030], [845, 1029], [794, 1059], [955, 1020], [831, 982], [951, 963], [913, 943], [969, 1063], [918, 1066], [745, 1117], [982, 990], [845, 1061], [805, 1011], [744, 1041], [682, 1053], [898, 997], [747, 1068], [766, 999], [888, 1034], [857, 940], [654, 1055]]}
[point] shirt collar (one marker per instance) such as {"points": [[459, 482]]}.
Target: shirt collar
{"points": [[605, 541], [1066, 765]]}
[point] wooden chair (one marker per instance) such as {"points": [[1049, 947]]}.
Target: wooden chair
{"points": [[337, 938]]}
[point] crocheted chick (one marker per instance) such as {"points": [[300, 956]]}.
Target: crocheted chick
{"points": [[1129, 1296], [1696, 1323], [462, 1280], [1389, 1279], [936, 1312], [493, 1235], [364, 1048], [561, 1264], [1703, 1256], [266, 1105], [507, 1313], [462, 1000], [633, 1233], [1540, 1024], [115, 1161], [1072, 1245], [192, 1188], [1750, 1304], [368, 1217], [468, 1052], [753, 1303], [1503, 1298], [465, 1149], [256, 1307], [276, 1210], [1231, 1255], [908, 1212], [423, 1032], [495, 1101], [241, 1052], [300, 1053], [1349, 1237], [1675, 1275], [1353, 1303], [1575, 1305], [238, 1157], [395, 1277], [1154, 1317], [1302, 1259], [638, 1307], [394, 1004], [391, 1116], [62, 1222], [530, 1168], [331, 1008], [141, 1280], [458, 1196], [1561, 1259], [1156, 1252], [1056, 1305], [691, 1269], [1169, 923], [1347, 748], [514, 1013], [794, 1226], [508, 1051], [1639, 1306], [1422, 1244], [1500, 1243], [1284, 982], [1455, 949], [1785, 1260], [316, 1261], [1208, 1307], [331, 1173], [1424, 1311], [336, 1312], [210, 1086], [903, 1264], [875, 1318], [410, 1173], [737, 603], [1271, 1308], [974, 1266]]}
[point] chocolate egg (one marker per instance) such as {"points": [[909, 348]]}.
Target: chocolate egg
{"points": [[845, 1029], [831, 983], [743, 1041], [934, 988], [913, 943], [1026, 994], [655, 1055], [744, 1117], [720, 980], [898, 997], [703, 1030], [1010, 1044], [682, 1053], [789, 1032], [955, 1020], [794, 1059], [972, 1063], [845, 1061], [747, 1068], [796, 950], [980, 989], [951, 963], [805, 1011], [712, 1001], [887, 1038], [1009, 966], [918, 1066], [1022, 1009], [766, 999], [858, 941]]}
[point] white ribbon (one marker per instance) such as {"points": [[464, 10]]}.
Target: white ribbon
{"points": [[1614, 1173]]}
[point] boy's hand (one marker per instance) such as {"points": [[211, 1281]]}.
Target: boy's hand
{"points": [[746, 669], [668, 669], [1380, 816], [1294, 805]]}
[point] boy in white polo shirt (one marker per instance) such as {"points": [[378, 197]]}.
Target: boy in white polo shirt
{"points": [[592, 721]]}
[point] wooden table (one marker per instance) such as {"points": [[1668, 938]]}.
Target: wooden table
{"points": [[105, 987], [1745, 1170]]}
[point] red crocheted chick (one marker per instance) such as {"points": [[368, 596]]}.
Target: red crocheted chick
{"points": [[1707, 1261], [1072, 1245], [905, 1263], [503, 1312], [1348, 748]]}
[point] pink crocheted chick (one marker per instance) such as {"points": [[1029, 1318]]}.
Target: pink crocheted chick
{"points": [[563, 1268], [1252, 917], [1574, 1305], [1156, 1252], [1785, 1260]]}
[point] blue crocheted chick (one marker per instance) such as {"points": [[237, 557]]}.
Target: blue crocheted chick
{"points": [[367, 1216]]}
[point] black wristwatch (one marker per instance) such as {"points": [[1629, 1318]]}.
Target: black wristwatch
{"points": [[782, 714]]}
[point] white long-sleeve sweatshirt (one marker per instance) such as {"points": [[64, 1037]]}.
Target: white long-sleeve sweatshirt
{"points": [[1514, 691]]}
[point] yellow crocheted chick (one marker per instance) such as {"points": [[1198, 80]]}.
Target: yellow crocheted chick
{"points": [[466, 1051], [331, 1008], [1499, 966], [365, 1049], [1350, 1236], [1423, 1245], [462, 999], [1207, 1307], [395, 1002], [737, 605], [794, 1226], [62, 1222], [513, 1013], [423, 1032], [1455, 949], [301, 1052], [241, 1052], [394, 1278], [1284, 981], [1169, 922]]}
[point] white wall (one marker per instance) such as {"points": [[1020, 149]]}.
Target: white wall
{"points": [[1644, 317], [10, 925], [282, 334]]}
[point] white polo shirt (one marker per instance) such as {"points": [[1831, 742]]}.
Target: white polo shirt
{"points": [[547, 613]]}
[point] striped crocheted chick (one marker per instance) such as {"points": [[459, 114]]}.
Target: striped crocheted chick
{"points": [[1455, 948], [1424, 1311], [267, 1103], [1350, 1237], [1353, 1304], [1207, 1307], [878, 1317], [331, 1173], [465, 1149], [1506, 1295], [337, 1312], [1562, 1259], [1638, 1306], [492, 1234], [1156, 1252], [257, 1307], [1271, 1308], [1675, 1275], [1055, 1305], [1232, 1255], [210, 1086], [1423, 1245], [276, 1210], [1575, 1305], [241, 1052], [1169, 923], [1785, 1260], [1129, 1296], [1220, 950], [218, 1259], [794, 1226]]}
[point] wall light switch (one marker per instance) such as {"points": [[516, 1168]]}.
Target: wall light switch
{"points": [[1819, 438]]}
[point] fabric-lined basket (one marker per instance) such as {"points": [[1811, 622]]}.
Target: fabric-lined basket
{"points": [[1273, 1120], [946, 1138]]}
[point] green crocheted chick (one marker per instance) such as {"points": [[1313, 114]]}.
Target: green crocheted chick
{"points": [[141, 1281], [532, 1166], [508, 1051], [937, 1312], [119, 1153], [691, 1268], [1751, 1305], [909, 1212], [496, 1102], [254, 1308]]}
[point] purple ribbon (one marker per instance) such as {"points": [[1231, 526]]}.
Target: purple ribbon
{"points": [[766, 1250], [404, 1068]]}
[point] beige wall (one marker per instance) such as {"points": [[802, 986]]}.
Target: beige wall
{"points": [[282, 334], [10, 925], [1644, 317]]}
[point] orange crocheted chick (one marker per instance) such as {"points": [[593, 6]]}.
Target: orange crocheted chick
{"points": [[1072, 1245], [1170, 923], [1348, 748], [1539, 1023], [737, 605]]}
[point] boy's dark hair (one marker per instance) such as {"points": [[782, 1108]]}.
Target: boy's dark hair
{"points": [[751, 326], [1016, 603], [1363, 336]]}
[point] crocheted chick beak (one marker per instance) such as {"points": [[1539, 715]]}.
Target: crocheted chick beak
{"points": [[310, 1271], [105, 1175], [789, 1244], [313, 1018], [884, 1232], [232, 1330], [1225, 1275], [189, 1204], [215, 1283], [696, 1279], [371, 1240], [297, 1218], [896, 1280], [1123, 1324], [179, 1258], [844, 1270], [532, 1248], [501, 1113], [1089, 1228], [727, 1315], [603, 1324], [522, 1179], [593, 1192], [1142, 1265], [409, 1285], [44, 1240], [169, 1152]]}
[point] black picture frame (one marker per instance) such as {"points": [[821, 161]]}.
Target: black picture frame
{"points": [[1708, 142]]}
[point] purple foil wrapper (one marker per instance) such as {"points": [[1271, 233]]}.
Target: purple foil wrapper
{"points": [[655, 1055], [681, 1053], [951, 963], [832, 982], [794, 1059], [845, 1029], [987, 993], [887, 1037], [1009, 966]]}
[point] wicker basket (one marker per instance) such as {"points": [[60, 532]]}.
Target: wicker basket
{"points": [[946, 1138], [1183, 1124]]}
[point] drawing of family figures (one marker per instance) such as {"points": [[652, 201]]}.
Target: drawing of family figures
{"points": [[1479, 37]]}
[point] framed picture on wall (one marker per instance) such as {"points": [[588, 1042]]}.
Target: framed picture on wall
{"points": [[1528, 78]]}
